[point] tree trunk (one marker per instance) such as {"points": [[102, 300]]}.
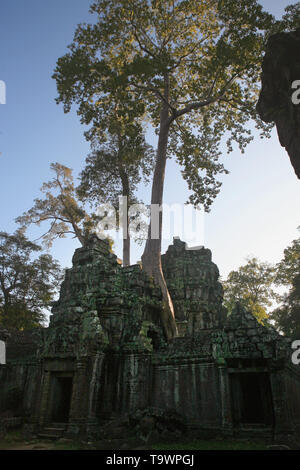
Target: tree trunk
{"points": [[6, 305], [125, 221], [151, 259], [126, 251], [78, 233]]}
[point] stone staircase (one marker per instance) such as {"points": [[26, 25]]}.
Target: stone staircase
{"points": [[53, 431]]}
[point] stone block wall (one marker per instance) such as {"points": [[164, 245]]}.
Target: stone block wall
{"points": [[20, 377], [19, 386], [292, 379], [190, 387], [193, 282]]}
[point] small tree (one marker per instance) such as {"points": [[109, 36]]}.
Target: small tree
{"points": [[27, 285], [60, 208], [115, 168], [251, 285]]}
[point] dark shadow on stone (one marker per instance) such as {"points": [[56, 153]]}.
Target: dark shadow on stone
{"points": [[280, 68]]}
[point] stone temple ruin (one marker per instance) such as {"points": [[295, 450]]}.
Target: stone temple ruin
{"points": [[104, 356]]}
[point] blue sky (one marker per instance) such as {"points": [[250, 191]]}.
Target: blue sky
{"points": [[256, 212]]}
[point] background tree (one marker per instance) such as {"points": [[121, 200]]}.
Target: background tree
{"points": [[114, 168], [290, 20], [192, 66], [287, 315], [60, 207], [27, 285], [251, 285], [289, 266]]}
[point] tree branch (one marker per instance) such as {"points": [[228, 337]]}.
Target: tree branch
{"points": [[200, 104], [157, 93]]}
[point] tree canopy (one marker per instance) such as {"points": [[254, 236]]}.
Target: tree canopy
{"points": [[27, 283], [201, 59]]}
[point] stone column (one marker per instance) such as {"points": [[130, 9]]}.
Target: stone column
{"points": [[136, 382], [93, 421], [78, 409], [283, 425], [44, 411], [33, 422], [226, 411]]}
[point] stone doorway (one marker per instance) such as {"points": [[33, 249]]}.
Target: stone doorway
{"points": [[251, 399], [62, 386]]}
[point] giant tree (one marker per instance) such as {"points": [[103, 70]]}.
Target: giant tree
{"points": [[192, 67]]}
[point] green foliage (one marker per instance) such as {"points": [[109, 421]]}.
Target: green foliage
{"points": [[27, 285], [114, 168], [287, 316], [200, 61], [290, 20], [251, 285], [289, 266], [60, 208]]}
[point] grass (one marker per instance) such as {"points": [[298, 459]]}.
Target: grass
{"points": [[68, 446], [11, 438], [213, 445], [14, 441]]}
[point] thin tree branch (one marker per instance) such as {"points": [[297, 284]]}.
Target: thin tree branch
{"points": [[200, 104], [157, 93]]}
